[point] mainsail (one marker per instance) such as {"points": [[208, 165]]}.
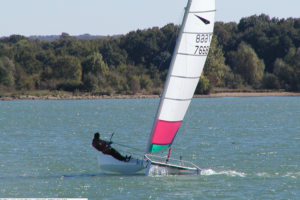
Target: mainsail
{"points": [[186, 66]]}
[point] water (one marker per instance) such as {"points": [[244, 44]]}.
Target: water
{"points": [[248, 148]]}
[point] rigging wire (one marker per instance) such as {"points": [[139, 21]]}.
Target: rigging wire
{"points": [[127, 146], [123, 144]]}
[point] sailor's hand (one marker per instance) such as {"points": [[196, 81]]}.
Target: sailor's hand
{"points": [[110, 143]]}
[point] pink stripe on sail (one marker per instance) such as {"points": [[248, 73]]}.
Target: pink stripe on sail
{"points": [[165, 132]]}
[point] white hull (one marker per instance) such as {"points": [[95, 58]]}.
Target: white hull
{"points": [[159, 168], [109, 163]]}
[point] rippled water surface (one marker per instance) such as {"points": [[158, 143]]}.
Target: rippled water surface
{"points": [[248, 148]]}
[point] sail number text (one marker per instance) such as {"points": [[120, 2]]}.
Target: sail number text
{"points": [[202, 50], [202, 38]]}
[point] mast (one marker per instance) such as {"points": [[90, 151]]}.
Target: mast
{"points": [[169, 74]]}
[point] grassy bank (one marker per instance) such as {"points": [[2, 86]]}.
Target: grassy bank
{"points": [[60, 95]]}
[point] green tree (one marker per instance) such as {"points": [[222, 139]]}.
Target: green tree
{"points": [[270, 38], [285, 74], [214, 69], [64, 35], [113, 55], [288, 70], [215, 63], [134, 84], [203, 86], [293, 57], [20, 77], [90, 82], [28, 61], [16, 38], [95, 65], [46, 57], [46, 74], [270, 81], [145, 82], [67, 68], [7, 69], [234, 81], [123, 86], [247, 64], [113, 79]]}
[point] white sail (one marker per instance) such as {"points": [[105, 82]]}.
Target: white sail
{"points": [[185, 70]]}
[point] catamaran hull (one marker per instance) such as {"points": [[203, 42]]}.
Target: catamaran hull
{"points": [[158, 168], [109, 163]]}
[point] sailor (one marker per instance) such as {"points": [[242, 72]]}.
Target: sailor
{"points": [[105, 148]]}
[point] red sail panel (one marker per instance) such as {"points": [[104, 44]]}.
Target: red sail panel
{"points": [[165, 132]]}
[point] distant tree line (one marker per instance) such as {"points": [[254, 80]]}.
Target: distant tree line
{"points": [[261, 52], [257, 53], [55, 37]]}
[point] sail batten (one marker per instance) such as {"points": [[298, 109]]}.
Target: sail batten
{"points": [[202, 11], [186, 77], [178, 99], [185, 54], [198, 33], [186, 66]]}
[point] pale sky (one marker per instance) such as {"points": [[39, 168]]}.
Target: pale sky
{"points": [[113, 17]]}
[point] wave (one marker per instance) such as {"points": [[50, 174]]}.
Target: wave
{"points": [[210, 172]]}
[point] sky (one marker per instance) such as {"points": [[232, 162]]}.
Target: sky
{"points": [[114, 17]]}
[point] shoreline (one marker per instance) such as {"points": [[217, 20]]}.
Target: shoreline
{"points": [[142, 96]]}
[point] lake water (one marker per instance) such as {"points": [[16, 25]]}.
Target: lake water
{"points": [[248, 148]]}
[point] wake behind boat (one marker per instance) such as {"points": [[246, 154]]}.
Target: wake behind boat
{"points": [[190, 53]]}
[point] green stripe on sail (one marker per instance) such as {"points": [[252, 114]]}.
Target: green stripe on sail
{"points": [[155, 147]]}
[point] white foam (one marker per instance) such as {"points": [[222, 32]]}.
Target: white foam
{"points": [[209, 172], [158, 171], [292, 174], [263, 174]]}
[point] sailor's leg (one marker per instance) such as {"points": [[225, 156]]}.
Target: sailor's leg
{"points": [[117, 155]]}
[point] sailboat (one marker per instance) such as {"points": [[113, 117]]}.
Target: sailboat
{"points": [[185, 69]]}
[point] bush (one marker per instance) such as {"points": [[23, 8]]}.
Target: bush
{"points": [[145, 82], [112, 79], [70, 86], [270, 81], [234, 81], [90, 82], [156, 91], [110, 91], [203, 86], [7, 68], [134, 84]]}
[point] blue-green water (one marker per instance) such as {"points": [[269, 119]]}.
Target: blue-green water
{"points": [[249, 148]]}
